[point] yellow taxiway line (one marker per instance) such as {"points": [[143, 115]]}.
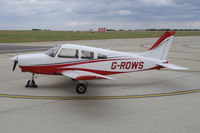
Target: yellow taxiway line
{"points": [[98, 97]]}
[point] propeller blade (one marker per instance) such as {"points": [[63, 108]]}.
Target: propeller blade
{"points": [[15, 64]]}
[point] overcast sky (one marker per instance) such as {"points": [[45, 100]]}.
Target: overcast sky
{"points": [[86, 14]]}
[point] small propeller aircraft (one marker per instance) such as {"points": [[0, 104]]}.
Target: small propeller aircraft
{"points": [[82, 63]]}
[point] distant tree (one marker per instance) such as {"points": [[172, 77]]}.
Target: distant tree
{"points": [[36, 29], [111, 30]]}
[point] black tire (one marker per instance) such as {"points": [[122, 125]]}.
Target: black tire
{"points": [[28, 84], [32, 84], [81, 88]]}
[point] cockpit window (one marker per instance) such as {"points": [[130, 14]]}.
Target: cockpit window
{"points": [[101, 56], [87, 55], [53, 51], [68, 53]]}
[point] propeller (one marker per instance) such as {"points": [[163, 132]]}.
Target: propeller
{"points": [[14, 65], [15, 60]]}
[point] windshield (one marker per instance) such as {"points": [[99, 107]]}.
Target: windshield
{"points": [[53, 51]]}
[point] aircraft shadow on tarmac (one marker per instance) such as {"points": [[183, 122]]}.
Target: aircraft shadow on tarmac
{"points": [[65, 85]]}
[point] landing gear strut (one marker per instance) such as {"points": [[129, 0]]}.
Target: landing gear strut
{"points": [[81, 87], [31, 82]]}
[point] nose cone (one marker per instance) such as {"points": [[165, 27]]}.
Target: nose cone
{"points": [[14, 58], [30, 59]]}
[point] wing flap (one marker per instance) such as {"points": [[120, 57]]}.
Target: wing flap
{"points": [[172, 66], [84, 75]]}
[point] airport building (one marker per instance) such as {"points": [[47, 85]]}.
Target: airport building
{"points": [[102, 29]]}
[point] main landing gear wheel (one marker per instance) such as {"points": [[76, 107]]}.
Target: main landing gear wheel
{"points": [[81, 88], [31, 83]]}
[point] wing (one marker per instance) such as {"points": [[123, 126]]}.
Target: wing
{"points": [[84, 75], [172, 66]]}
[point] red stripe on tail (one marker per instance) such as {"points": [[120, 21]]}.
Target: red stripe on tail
{"points": [[162, 38]]}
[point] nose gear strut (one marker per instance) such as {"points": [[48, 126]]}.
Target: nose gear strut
{"points": [[31, 82]]}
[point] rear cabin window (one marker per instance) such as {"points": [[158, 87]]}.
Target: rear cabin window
{"points": [[101, 56], [68, 53], [87, 55]]}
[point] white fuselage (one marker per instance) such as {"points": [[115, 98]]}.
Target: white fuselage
{"points": [[113, 62]]}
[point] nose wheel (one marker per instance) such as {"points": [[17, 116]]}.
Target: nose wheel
{"points": [[81, 88], [31, 83]]}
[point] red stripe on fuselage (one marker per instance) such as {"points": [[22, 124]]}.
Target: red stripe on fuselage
{"points": [[102, 72], [48, 71], [58, 68]]}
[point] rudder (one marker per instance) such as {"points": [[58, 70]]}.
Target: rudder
{"points": [[161, 48]]}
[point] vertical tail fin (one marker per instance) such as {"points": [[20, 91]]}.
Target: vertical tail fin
{"points": [[161, 48]]}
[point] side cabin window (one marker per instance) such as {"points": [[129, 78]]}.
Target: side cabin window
{"points": [[87, 55], [101, 56], [68, 53]]}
